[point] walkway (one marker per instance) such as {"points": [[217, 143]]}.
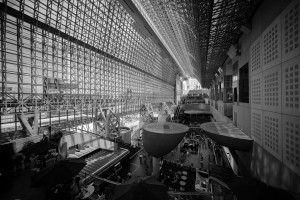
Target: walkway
{"points": [[141, 167], [195, 159]]}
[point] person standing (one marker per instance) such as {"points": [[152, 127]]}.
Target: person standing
{"points": [[45, 138], [77, 189]]}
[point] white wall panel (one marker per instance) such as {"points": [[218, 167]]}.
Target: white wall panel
{"points": [[95, 142], [68, 140]]}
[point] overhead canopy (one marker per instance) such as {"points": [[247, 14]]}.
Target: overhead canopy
{"points": [[228, 135]]}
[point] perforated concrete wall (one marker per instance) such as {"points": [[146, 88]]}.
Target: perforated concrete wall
{"points": [[256, 91], [271, 85], [255, 57], [256, 126], [275, 88], [290, 85], [290, 25], [271, 48], [272, 133], [291, 141]]}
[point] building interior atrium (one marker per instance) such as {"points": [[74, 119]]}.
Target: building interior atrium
{"points": [[93, 100]]}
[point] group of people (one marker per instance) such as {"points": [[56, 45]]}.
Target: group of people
{"points": [[196, 143], [190, 144], [36, 161], [171, 175], [146, 161], [74, 189]]}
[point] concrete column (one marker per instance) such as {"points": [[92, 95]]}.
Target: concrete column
{"points": [[156, 166]]}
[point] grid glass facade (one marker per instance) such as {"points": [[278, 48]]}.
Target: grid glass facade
{"points": [[66, 59]]}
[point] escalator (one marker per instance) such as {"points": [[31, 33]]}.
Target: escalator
{"points": [[100, 161]]}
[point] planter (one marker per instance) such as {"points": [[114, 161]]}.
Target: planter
{"points": [[160, 138]]}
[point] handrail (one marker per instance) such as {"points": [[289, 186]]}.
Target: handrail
{"points": [[202, 193], [169, 192], [195, 193], [219, 181], [105, 180]]}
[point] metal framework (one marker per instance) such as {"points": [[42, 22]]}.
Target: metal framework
{"points": [[199, 33], [62, 61], [146, 112], [227, 19], [65, 60]]}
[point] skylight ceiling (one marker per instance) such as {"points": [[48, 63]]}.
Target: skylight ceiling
{"points": [[197, 32]]}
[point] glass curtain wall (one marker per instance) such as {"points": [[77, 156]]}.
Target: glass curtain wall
{"points": [[68, 59]]}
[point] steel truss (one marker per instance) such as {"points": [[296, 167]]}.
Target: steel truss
{"points": [[65, 60], [227, 19], [198, 32], [148, 110]]}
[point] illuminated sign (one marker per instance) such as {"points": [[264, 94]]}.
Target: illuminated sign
{"points": [[234, 78]]}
